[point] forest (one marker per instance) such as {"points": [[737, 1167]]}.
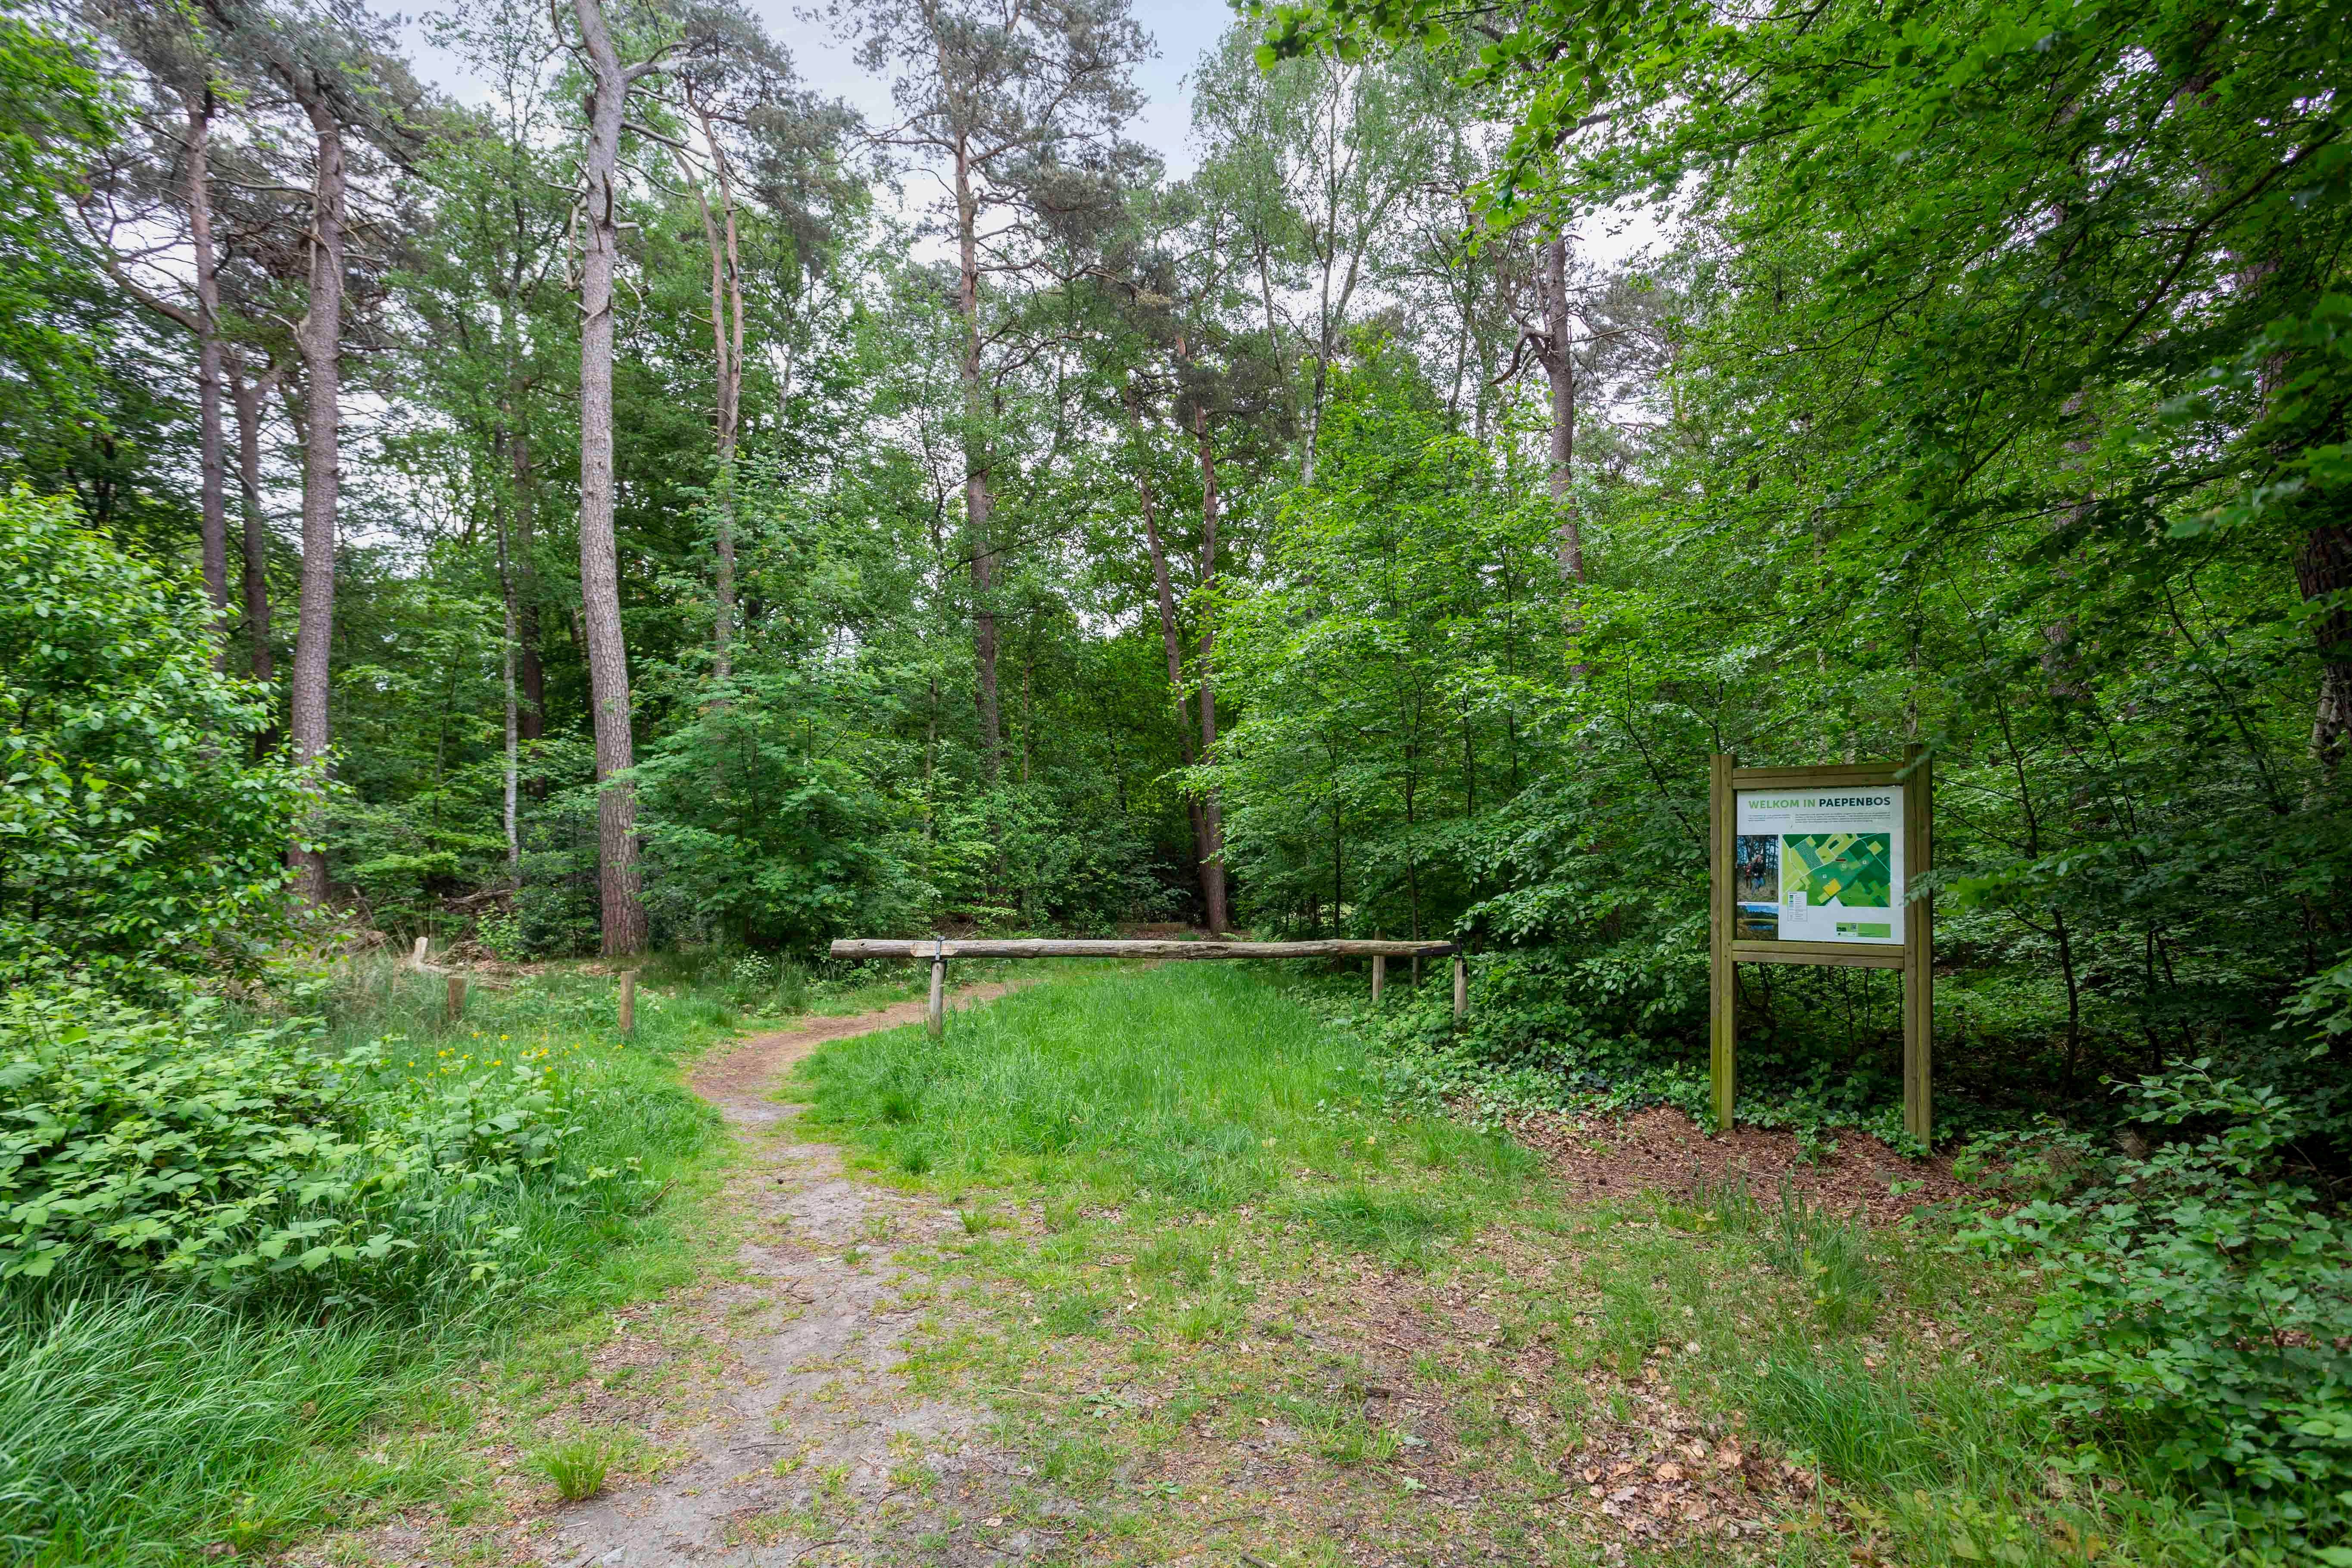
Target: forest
{"points": [[562, 483]]}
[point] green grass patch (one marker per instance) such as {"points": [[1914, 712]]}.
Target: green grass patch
{"points": [[1185, 1090], [1194, 1173]]}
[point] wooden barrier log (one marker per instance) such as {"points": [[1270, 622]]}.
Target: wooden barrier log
{"points": [[455, 1004], [1461, 988], [1380, 972], [1057, 947]]}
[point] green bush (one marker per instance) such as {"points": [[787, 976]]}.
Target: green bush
{"points": [[2197, 1298], [142, 838], [166, 1144]]}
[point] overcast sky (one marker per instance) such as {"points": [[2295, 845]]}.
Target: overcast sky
{"points": [[1181, 32]]}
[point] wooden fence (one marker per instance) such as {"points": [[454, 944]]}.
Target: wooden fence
{"points": [[939, 950]]}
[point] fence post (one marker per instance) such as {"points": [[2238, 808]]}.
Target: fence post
{"points": [[1461, 988], [456, 1007], [938, 1021], [628, 1001], [1380, 972]]}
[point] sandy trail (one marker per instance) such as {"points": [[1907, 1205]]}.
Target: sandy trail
{"points": [[814, 1342]]}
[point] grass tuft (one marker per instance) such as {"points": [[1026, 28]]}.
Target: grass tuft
{"points": [[577, 1466]]}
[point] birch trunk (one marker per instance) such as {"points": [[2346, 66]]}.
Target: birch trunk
{"points": [[1560, 369], [624, 912], [2323, 569], [511, 769], [1213, 820]]}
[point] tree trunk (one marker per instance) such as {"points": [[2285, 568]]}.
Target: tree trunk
{"points": [[624, 912], [320, 336], [1213, 820], [213, 482], [2323, 566], [727, 351], [511, 769], [1173, 641], [250, 398], [978, 503], [530, 720], [1560, 369]]}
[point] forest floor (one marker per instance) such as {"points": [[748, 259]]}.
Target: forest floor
{"points": [[1277, 1326]]}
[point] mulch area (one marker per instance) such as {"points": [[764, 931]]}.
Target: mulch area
{"points": [[1662, 1151]]}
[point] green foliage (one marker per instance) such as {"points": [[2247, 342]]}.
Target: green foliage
{"points": [[142, 839], [167, 1145], [160, 1394], [770, 828], [2198, 1298], [53, 113]]}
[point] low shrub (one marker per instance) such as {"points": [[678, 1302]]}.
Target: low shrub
{"points": [[232, 1242], [2197, 1298], [170, 1145]]}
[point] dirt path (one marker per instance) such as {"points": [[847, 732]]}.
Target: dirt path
{"points": [[811, 1439]]}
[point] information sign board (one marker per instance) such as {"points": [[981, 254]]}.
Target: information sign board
{"points": [[1819, 866]]}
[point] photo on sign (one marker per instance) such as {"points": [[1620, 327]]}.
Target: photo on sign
{"points": [[1819, 866], [1755, 887]]}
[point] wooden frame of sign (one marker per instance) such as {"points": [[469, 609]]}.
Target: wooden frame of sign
{"points": [[1845, 863]]}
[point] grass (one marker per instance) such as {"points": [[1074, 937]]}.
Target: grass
{"points": [[1208, 1230], [1217, 1290], [1186, 1090], [142, 1423], [576, 1464]]}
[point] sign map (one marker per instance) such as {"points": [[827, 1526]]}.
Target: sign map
{"points": [[1819, 866]]}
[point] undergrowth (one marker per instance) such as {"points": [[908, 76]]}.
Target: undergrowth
{"points": [[242, 1240]]}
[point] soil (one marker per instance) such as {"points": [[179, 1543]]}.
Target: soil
{"points": [[813, 1339], [1663, 1151], [763, 1414]]}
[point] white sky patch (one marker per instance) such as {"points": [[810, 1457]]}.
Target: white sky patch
{"points": [[1181, 32]]}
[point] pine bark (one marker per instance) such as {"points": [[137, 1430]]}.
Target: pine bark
{"points": [[212, 462], [624, 911], [250, 398], [1213, 819], [1172, 640], [320, 338], [978, 502]]}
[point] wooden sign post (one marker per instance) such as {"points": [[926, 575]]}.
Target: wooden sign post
{"points": [[936, 1019], [1815, 865]]}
